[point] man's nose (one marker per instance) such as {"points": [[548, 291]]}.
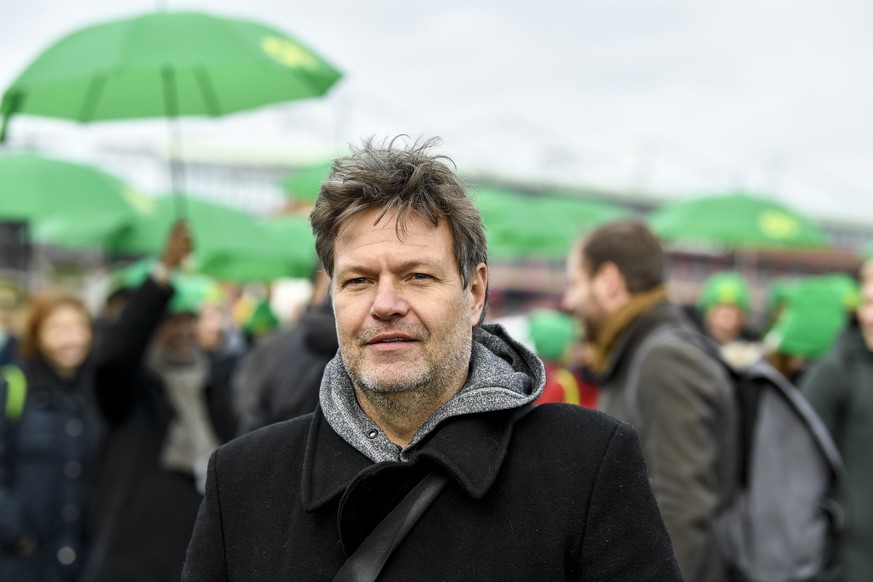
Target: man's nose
{"points": [[389, 301]]}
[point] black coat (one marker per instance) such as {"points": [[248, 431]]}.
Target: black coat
{"points": [[560, 495], [145, 513], [46, 475]]}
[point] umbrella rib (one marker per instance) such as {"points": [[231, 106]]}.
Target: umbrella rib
{"points": [[208, 91], [89, 105]]}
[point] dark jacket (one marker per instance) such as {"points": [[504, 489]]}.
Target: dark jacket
{"points": [[840, 388], [560, 495], [288, 384], [9, 349], [145, 513], [47, 475], [687, 420]]}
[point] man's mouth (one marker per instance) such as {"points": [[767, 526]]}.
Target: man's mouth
{"points": [[390, 338]]}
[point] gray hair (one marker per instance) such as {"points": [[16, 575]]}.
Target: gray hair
{"points": [[409, 180]]}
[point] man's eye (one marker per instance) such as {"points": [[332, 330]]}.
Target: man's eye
{"points": [[420, 276], [356, 281]]}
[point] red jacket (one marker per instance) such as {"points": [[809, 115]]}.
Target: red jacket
{"points": [[562, 385]]}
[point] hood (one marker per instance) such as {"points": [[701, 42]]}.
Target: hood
{"points": [[503, 374]]}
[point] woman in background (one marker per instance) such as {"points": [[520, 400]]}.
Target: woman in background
{"points": [[46, 446]]}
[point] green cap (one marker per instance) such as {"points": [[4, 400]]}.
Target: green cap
{"points": [[725, 288], [813, 317], [552, 332]]}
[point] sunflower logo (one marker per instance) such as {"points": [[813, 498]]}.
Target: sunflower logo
{"points": [[777, 224], [142, 203], [288, 53]]}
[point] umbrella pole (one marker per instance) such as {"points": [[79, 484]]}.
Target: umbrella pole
{"points": [[177, 169]]}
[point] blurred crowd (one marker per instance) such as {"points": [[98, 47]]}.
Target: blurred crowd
{"points": [[109, 418]]}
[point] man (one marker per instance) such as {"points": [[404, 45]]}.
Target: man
{"points": [[677, 397], [839, 388], [166, 410], [419, 387]]}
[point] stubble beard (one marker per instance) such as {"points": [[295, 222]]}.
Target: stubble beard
{"points": [[416, 391]]}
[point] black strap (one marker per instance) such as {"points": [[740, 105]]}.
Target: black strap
{"points": [[367, 561]]}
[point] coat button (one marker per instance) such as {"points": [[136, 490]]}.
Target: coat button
{"points": [[70, 512], [66, 555], [372, 434], [74, 427], [72, 469]]}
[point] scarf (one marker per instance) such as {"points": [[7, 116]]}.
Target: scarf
{"points": [[190, 438], [619, 321], [503, 374]]}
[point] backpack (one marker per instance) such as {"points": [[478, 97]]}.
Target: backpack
{"points": [[784, 523]]}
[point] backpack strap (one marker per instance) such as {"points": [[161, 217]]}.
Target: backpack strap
{"points": [[16, 391], [367, 561]]}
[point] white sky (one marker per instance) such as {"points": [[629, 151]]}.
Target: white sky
{"points": [[672, 97]]}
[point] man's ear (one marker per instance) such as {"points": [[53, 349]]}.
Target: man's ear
{"points": [[612, 282], [477, 286]]}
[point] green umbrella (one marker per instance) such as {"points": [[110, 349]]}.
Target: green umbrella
{"points": [[229, 244], [522, 226], [305, 182], [736, 221], [65, 203], [293, 234], [166, 64]]}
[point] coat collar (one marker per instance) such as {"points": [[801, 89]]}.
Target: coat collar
{"points": [[663, 313], [471, 448]]}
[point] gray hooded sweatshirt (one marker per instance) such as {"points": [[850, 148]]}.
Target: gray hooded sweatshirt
{"points": [[503, 374]]}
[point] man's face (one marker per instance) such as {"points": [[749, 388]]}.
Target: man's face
{"points": [[177, 336], [404, 320], [865, 311], [582, 297], [724, 322], [210, 327]]}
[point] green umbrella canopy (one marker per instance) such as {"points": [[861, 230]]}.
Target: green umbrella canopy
{"points": [[65, 203], [166, 64], [736, 220], [521, 226], [293, 234], [229, 244], [305, 182]]}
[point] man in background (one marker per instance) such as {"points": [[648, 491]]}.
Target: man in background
{"points": [[677, 397]]}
